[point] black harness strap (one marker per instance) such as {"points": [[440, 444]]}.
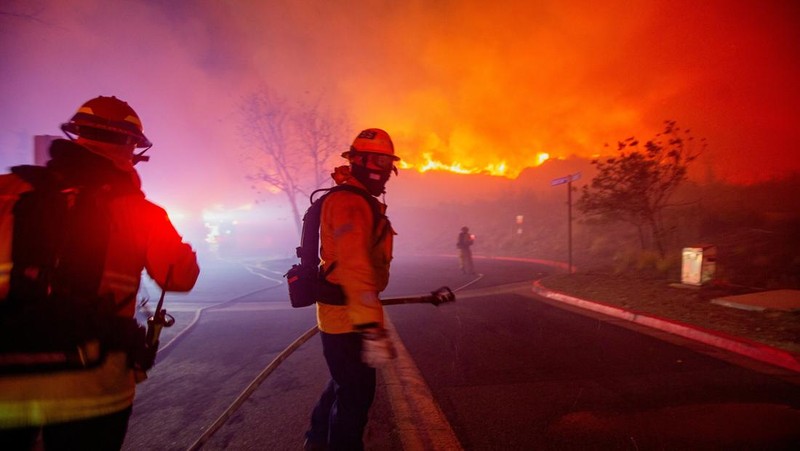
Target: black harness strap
{"points": [[309, 250]]}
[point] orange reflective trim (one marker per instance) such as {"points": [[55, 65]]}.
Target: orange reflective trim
{"points": [[133, 120]]}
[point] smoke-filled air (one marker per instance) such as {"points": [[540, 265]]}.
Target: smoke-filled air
{"points": [[479, 97]]}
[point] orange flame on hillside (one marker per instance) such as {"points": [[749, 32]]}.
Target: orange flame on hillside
{"points": [[500, 169]]}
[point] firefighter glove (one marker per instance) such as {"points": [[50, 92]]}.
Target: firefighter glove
{"points": [[377, 348]]}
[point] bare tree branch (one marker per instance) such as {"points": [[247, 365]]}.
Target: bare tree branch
{"points": [[290, 145]]}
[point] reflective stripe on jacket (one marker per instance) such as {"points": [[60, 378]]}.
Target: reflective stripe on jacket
{"points": [[362, 253], [141, 237]]}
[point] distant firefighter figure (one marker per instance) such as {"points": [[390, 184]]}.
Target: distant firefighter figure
{"points": [[465, 240]]}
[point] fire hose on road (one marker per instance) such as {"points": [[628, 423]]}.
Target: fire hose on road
{"points": [[436, 298]]}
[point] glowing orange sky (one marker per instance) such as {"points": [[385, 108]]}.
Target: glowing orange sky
{"points": [[458, 81], [504, 84]]}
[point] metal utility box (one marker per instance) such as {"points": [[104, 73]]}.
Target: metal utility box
{"points": [[699, 264]]}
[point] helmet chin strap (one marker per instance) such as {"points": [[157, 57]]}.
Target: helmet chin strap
{"points": [[139, 157]]}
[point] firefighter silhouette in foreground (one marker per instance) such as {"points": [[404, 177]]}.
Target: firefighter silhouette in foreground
{"points": [[75, 236], [464, 244]]}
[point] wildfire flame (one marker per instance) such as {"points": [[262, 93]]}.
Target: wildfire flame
{"points": [[500, 169]]}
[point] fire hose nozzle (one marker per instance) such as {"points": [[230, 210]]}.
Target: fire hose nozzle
{"points": [[155, 324], [442, 295]]}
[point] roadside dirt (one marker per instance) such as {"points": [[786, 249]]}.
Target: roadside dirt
{"points": [[689, 305]]}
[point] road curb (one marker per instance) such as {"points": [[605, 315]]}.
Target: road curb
{"points": [[752, 349], [419, 420]]}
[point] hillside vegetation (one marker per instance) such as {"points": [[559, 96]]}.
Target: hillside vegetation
{"points": [[755, 228]]}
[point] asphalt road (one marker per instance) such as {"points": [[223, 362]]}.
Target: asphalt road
{"points": [[506, 369]]}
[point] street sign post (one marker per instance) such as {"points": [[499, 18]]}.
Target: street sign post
{"points": [[560, 181]]}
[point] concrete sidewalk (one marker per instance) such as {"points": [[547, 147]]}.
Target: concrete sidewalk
{"points": [[784, 300]]}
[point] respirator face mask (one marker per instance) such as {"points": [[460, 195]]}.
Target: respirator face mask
{"points": [[374, 172]]}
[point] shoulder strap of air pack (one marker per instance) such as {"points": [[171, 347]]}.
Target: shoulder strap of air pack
{"points": [[308, 252]]}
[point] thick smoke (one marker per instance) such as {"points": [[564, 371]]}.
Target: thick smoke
{"points": [[462, 81]]}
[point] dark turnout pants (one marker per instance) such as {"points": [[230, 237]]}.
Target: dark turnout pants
{"points": [[340, 416], [465, 260]]}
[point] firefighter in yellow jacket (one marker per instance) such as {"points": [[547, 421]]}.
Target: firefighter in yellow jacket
{"points": [[356, 250], [86, 408]]}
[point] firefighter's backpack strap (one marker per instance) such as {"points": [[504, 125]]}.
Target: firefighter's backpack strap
{"points": [[307, 282]]}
